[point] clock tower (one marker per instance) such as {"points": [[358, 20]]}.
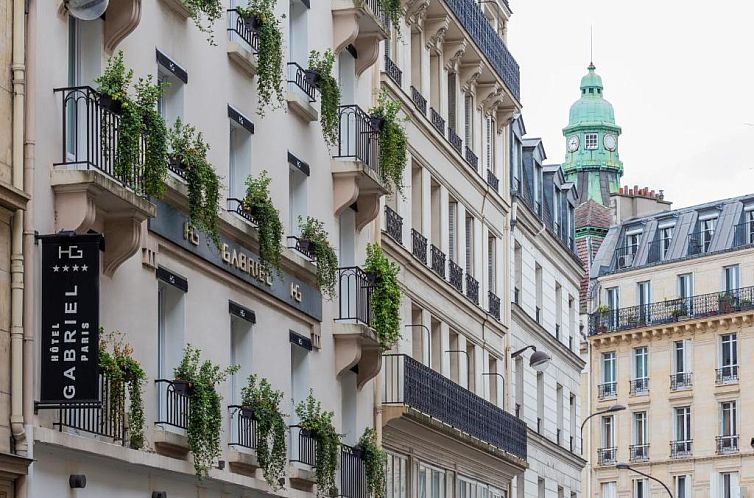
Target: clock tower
{"points": [[592, 160]]}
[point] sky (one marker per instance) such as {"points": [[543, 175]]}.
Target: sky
{"points": [[680, 76]]}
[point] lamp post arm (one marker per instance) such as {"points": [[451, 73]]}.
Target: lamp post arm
{"points": [[653, 478]]}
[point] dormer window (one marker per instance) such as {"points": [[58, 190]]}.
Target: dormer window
{"points": [[707, 231], [590, 141], [666, 236]]}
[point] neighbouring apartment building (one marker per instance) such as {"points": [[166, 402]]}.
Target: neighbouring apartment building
{"points": [[545, 277], [671, 308]]}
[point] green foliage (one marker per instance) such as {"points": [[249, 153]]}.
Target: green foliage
{"points": [[272, 453], [205, 13], [114, 81], [125, 373], [329, 92], [603, 308], [319, 422], [375, 460], [156, 136], [385, 300], [259, 205], [393, 142], [393, 11], [314, 231], [188, 147], [205, 415]]}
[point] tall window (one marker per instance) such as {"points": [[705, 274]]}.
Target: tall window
{"points": [[492, 264], [590, 141], [613, 303], [518, 266], [396, 476], [641, 370], [609, 490], [728, 371], [431, 482], [468, 112], [640, 428], [730, 278], [608, 431], [632, 243], [683, 424], [641, 488], [685, 287], [666, 236], [538, 283], [240, 354], [559, 409], [298, 198], [558, 310], [452, 101], [452, 230], [728, 425], [608, 373], [728, 485], [682, 356], [643, 289], [469, 245], [707, 231], [750, 227], [171, 325], [540, 401], [240, 161], [489, 152], [682, 485]]}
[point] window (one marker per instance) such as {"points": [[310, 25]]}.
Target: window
{"points": [[682, 356], [468, 111], [640, 428], [173, 77], [728, 371], [643, 290], [559, 410], [298, 44], [571, 322], [396, 476], [494, 380], [452, 101], [683, 424], [558, 309], [84, 65], [470, 245], [299, 374], [452, 230], [608, 374], [609, 490], [666, 236], [492, 264], [432, 483], [632, 244], [519, 365], [727, 483], [572, 412], [298, 198], [540, 401], [608, 431], [641, 488], [171, 326], [641, 370], [240, 161], [682, 485], [518, 272], [750, 227], [590, 141], [538, 281], [613, 303], [730, 278], [541, 488], [707, 231], [240, 354], [728, 425], [686, 287], [490, 144]]}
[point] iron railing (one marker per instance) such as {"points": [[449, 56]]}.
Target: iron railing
{"points": [[538, 314], [515, 185], [437, 121], [680, 381], [354, 294], [493, 181], [743, 234], [727, 374], [419, 101], [455, 140], [639, 452], [91, 137], [471, 158], [624, 257], [557, 331], [173, 403], [408, 382], [378, 12], [243, 427], [680, 449], [606, 456], [394, 225], [419, 246], [472, 289], [298, 79], [516, 295], [672, 310], [357, 137], [303, 446], [607, 390], [494, 304], [237, 206], [353, 480], [303, 247], [240, 27], [699, 242], [656, 252], [177, 167], [455, 275], [393, 71], [539, 425], [106, 418], [638, 386], [438, 260], [726, 444]]}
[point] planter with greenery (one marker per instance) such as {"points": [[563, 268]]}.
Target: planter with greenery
{"points": [[205, 13], [263, 405], [188, 148], [312, 418], [313, 232], [385, 300], [116, 362], [205, 415], [260, 17], [258, 204], [374, 463], [392, 141], [320, 74]]}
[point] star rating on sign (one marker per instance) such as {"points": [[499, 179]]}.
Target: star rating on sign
{"points": [[55, 268], [65, 267], [75, 267], [84, 267]]}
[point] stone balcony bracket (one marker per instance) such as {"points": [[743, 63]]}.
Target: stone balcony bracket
{"points": [[355, 182], [355, 24], [356, 344]]}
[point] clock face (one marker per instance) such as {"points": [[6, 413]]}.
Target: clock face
{"points": [[611, 142], [573, 143]]}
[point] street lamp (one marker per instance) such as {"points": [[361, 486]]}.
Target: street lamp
{"points": [[539, 360], [609, 409], [625, 466]]}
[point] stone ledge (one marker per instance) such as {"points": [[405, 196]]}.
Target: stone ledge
{"points": [[242, 461], [302, 107], [170, 443], [245, 59]]}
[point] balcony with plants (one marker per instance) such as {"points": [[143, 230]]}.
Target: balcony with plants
{"points": [[364, 24]]}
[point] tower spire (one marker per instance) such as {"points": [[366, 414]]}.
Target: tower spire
{"points": [[591, 46]]}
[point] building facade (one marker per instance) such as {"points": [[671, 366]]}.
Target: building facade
{"points": [[545, 277], [671, 313]]}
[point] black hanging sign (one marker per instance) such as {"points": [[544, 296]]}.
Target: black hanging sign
{"points": [[70, 319]]}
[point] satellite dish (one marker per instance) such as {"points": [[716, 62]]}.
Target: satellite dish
{"points": [[86, 10]]}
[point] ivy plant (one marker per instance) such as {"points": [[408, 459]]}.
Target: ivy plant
{"points": [[205, 415], [148, 93], [392, 9], [205, 13], [313, 231], [329, 91], [319, 422], [392, 141], [272, 453], [124, 373], [375, 460], [385, 300], [259, 205], [189, 148]]}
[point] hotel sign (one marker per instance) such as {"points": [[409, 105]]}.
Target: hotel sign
{"points": [[70, 318], [237, 260]]}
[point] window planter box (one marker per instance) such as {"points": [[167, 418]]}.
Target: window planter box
{"points": [[109, 103], [182, 387]]}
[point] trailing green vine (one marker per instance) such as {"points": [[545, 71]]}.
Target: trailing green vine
{"points": [[205, 13], [155, 134], [375, 460], [272, 453], [188, 147], [319, 422], [116, 362], [329, 91], [259, 205], [205, 415], [393, 142], [313, 231], [270, 53], [393, 12], [385, 300]]}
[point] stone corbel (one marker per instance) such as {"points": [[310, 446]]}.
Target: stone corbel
{"points": [[122, 240], [345, 28], [368, 48], [435, 29], [75, 209], [490, 96], [356, 345], [470, 74], [416, 12], [454, 51], [505, 115], [369, 366], [122, 18], [367, 209], [345, 192]]}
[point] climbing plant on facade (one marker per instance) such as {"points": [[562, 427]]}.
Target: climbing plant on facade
{"points": [[320, 74], [313, 231], [205, 13], [319, 422], [385, 299], [374, 463], [258, 204], [392, 141]]}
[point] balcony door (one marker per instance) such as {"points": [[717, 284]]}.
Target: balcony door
{"points": [[683, 426], [728, 356], [608, 373], [728, 425]]}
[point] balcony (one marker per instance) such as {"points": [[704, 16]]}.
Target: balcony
{"points": [[415, 393], [680, 449], [726, 375], [606, 456], [419, 246], [437, 121], [352, 473], [725, 445], [623, 257], [455, 275], [455, 140], [681, 381], [607, 390], [472, 289], [303, 452], [355, 341], [362, 24], [242, 440], [419, 101], [243, 42], [173, 418], [94, 189], [743, 234], [672, 310], [638, 387], [493, 181], [301, 93], [639, 453], [355, 170], [494, 305], [393, 225], [471, 158], [393, 71], [699, 242], [303, 247], [438, 261]]}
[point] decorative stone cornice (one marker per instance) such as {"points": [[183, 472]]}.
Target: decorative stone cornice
{"points": [[470, 74], [435, 29], [490, 95], [416, 13], [454, 50]]}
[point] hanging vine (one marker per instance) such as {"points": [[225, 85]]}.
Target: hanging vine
{"points": [[313, 231], [375, 460], [320, 71], [205, 14], [392, 141], [385, 300], [259, 205], [319, 422]]}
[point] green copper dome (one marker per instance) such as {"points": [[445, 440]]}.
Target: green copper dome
{"points": [[591, 108]]}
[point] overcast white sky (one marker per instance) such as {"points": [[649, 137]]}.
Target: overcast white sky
{"points": [[678, 73]]}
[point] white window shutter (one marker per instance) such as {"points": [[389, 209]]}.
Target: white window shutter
{"points": [[714, 485], [735, 489]]}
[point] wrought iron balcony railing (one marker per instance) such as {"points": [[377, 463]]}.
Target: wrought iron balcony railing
{"points": [[680, 449], [455, 276], [639, 452], [726, 444], [727, 374], [557, 331], [472, 289], [494, 304], [606, 456], [538, 314], [672, 310], [353, 477], [91, 134], [680, 381], [699, 242], [471, 158], [408, 382], [106, 419], [493, 181], [243, 427], [638, 386], [437, 121], [515, 185], [357, 137], [419, 101], [173, 403], [624, 257], [379, 13], [394, 225], [303, 446], [419, 246], [743, 234], [240, 28], [354, 293], [393, 71], [237, 206], [301, 246], [516, 295], [298, 80], [455, 140], [607, 390], [438, 261]]}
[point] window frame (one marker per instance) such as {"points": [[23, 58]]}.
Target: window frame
{"points": [[591, 141]]}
